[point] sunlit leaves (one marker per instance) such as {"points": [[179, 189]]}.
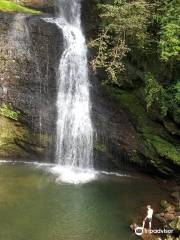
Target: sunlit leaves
{"points": [[170, 31], [123, 25], [155, 94], [109, 56]]}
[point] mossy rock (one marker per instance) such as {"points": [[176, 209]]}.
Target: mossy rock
{"points": [[10, 6], [35, 2], [165, 149], [157, 145], [43, 6], [101, 147], [7, 110], [18, 141]]}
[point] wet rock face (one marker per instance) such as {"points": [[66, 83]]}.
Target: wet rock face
{"points": [[89, 18], [30, 50], [116, 137]]}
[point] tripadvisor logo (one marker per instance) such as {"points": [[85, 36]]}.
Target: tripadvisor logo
{"points": [[139, 231]]}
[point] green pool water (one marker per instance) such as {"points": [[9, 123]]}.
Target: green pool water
{"points": [[33, 206]]}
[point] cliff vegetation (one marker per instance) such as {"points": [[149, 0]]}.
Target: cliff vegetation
{"points": [[138, 48], [11, 6]]}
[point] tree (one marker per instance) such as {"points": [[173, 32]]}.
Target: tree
{"points": [[123, 26], [170, 31]]}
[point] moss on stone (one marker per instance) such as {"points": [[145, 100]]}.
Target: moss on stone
{"points": [[36, 2], [132, 103], [9, 132], [7, 110], [100, 147], [9, 6], [17, 141], [164, 148], [158, 144]]}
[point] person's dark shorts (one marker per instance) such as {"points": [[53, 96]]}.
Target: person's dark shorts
{"points": [[149, 220]]}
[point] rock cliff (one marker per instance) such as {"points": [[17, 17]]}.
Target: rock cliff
{"points": [[30, 50]]}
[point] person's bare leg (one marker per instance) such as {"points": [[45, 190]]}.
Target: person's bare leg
{"points": [[143, 224], [149, 225]]}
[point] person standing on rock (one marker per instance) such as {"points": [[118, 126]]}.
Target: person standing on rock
{"points": [[148, 217]]}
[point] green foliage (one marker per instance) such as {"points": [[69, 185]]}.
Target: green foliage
{"points": [[125, 18], [149, 57], [8, 6], [170, 42], [123, 26], [155, 94], [6, 110], [109, 57], [136, 27], [164, 148], [173, 97], [170, 31], [177, 92], [167, 100]]}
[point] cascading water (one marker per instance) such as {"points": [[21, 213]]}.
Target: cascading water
{"points": [[74, 126]]}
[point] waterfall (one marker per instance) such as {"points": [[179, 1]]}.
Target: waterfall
{"points": [[74, 126]]}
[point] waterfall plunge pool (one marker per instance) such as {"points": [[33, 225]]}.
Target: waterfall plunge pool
{"points": [[36, 205]]}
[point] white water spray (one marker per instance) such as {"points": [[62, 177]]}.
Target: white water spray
{"points": [[74, 126], [74, 150]]}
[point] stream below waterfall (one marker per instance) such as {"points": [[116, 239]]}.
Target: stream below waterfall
{"points": [[35, 206]]}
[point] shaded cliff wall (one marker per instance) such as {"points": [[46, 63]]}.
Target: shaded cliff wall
{"points": [[30, 50]]}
